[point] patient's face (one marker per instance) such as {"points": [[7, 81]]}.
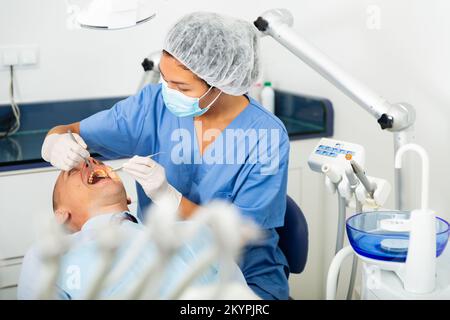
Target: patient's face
{"points": [[82, 191]]}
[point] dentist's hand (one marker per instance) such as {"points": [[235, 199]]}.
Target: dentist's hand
{"points": [[152, 177], [62, 152]]}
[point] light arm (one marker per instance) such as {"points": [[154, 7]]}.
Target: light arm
{"points": [[278, 24]]}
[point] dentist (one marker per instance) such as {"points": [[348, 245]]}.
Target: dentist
{"points": [[216, 141]]}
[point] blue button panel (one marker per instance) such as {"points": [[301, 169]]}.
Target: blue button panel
{"points": [[332, 152]]}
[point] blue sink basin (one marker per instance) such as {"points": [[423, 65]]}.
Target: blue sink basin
{"points": [[369, 240]]}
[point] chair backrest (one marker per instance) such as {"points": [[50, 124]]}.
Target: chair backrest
{"points": [[294, 237]]}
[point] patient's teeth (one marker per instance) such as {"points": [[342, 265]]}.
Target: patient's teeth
{"points": [[91, 177]]}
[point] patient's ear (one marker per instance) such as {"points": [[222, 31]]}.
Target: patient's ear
{"points": [[128, 200], [62, 216]]}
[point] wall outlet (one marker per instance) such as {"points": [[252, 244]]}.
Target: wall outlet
{"points": [[19, 55], [10, 58]]}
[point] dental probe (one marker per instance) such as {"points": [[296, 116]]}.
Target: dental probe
{"points": [[150, 156], [75, 140]]}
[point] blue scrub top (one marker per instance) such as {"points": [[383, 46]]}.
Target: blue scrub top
{"points": [[253, 177]]}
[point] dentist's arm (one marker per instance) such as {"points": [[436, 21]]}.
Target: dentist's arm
{"points": [[187, 208], [60, 150], [74, 127]]}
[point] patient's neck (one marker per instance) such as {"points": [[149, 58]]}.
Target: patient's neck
{"points": [[96, 210]]}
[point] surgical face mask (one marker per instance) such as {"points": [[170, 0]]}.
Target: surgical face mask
{"points": [[182, 105]]}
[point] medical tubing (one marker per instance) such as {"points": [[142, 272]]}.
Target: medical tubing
{"points": [[341, 223], [203, 262], [333, 272], [14, 107], [351, 284]]}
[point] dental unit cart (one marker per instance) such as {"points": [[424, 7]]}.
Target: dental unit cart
{"points": [[402, 252], [403, 248]]}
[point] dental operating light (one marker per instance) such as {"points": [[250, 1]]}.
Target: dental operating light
{"points": [[395, 117], [110, 14]]}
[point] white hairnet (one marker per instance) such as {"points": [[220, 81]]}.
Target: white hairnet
{"points": [[221, 50]]}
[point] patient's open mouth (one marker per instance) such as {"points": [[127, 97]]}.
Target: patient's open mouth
{"points": [[97, 175], [97, 172]]}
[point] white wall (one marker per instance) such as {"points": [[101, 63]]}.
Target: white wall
{"points": [[405, 60]]}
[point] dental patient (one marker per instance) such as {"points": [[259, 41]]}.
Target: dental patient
{"points": [[85, 201]]}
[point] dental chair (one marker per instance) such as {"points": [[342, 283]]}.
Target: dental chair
{"points": [[294, 237]]}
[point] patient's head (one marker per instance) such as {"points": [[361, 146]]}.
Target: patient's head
{"points": [[81, 193]]}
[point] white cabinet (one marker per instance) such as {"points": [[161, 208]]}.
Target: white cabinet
{"points": [[9, 274]]}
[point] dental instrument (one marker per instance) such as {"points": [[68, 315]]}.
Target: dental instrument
{"points": [[395, 117], [88, 163], [353, 184], [149, 156], [359, 172]]}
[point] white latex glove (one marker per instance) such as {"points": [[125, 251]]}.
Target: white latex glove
{"points": [[62, 152], [152, 177]]}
